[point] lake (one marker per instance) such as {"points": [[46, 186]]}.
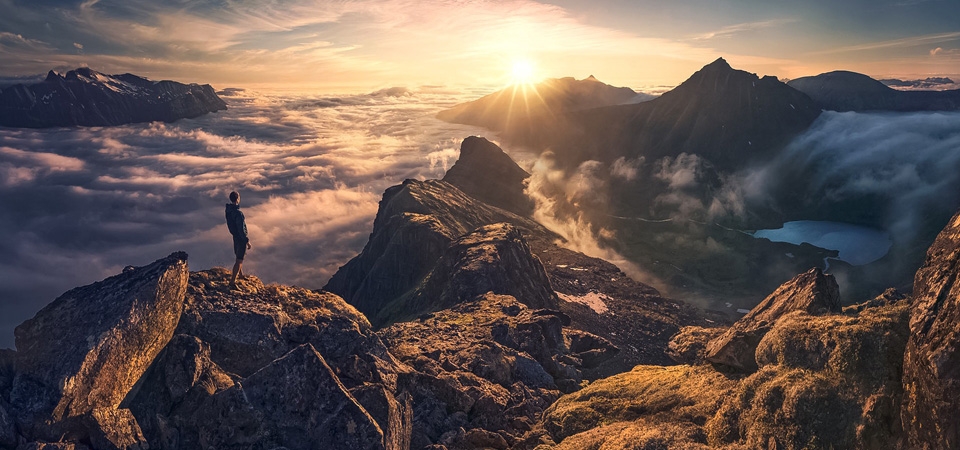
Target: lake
{"points": [[856, 244]]}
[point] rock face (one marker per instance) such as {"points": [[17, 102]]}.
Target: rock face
{"points": [[294, 402], [931, 372], [81, 355], [487, 368], [851, 91], [416, 223], [486, 173], [269, 367], [824, 381], [420, 238], [812, 292], [87, 98]]}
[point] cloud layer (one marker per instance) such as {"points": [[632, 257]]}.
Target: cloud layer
{"points": [[80, 204]]}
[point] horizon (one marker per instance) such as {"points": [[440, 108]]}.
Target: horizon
{"points": [[360, 45]]}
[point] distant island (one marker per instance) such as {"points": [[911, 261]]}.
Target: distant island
{"points": [[84, 97]]}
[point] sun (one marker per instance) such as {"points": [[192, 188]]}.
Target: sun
{"points": [[522, 72]]}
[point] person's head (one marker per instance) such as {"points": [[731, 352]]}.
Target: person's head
{"points": [[235, 197]]}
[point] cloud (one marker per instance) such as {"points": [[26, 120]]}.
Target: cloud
{"points": [[353, 42], [935, 51], [907, 42], [311, 169], [731, 30]]}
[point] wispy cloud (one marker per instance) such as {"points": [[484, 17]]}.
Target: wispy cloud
{"points": [[908, 42], [739, 28]]}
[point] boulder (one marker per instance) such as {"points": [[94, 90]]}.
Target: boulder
{"points": [[486, 173], [689, 346], [294, 402], [181, 378], [82, 354], [812, 292], [931, 368]]}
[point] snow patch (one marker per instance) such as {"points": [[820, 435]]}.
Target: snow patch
{"points": [[593, 300]]}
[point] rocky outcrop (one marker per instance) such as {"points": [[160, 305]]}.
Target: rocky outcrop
{"points": [[486, 173], [689, 346], [81, 355], [931, 375], [88, 98], [824, 381], [812, 292], [416, 224], [850, 91], [418, 248], [487, 368], [271, 366], [493, 258], [295, 401]]}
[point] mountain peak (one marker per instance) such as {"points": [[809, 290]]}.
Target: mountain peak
{"points": [[719, 63], [592, 78], [53, 76]]}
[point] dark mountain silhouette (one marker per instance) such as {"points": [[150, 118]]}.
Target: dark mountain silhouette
{"points": [[851, 91], [84, 97], [528, 113], [730, 117]]}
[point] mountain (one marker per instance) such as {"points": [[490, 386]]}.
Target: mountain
{"points": [[931, 83], [851, 91], [528, 112], [425, 230], [729, 117], [84, 97]]}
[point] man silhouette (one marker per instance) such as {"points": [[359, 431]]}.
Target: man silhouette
{"points": [[238, 228]]}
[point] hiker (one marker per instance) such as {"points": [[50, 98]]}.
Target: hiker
{"points": [[238, 228]]}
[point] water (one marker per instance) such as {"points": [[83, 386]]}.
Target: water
{"points": [[856, 244]]}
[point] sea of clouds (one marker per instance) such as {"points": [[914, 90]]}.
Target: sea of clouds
{"points": [[79, 204]]}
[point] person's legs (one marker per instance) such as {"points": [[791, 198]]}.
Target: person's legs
{"points": [[239, 249], [236, 272]]}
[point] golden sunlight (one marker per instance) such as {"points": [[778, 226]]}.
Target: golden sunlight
{"points": [[522, 72]]}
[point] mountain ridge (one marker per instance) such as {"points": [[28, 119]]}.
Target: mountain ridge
{"points": [[84, 97]]}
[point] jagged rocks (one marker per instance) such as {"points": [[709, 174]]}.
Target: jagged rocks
{"points": [[227, 341], [812, 292], [931, 372], [824, 382], [830, 381], [416, 223], [486, 369], [294, 402], [486, 173], [81, 355], [493, 258]]}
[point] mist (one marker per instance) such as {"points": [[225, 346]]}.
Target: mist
{"points": [[79, 204]]}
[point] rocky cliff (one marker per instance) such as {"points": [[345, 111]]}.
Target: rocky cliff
{"points": [[84, 97], [932, 362], [408, 266]]}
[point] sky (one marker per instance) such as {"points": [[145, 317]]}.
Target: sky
{"points": [[358, 45]]}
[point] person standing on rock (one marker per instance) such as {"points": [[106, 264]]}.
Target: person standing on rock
{"points": [[238, 228]]}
